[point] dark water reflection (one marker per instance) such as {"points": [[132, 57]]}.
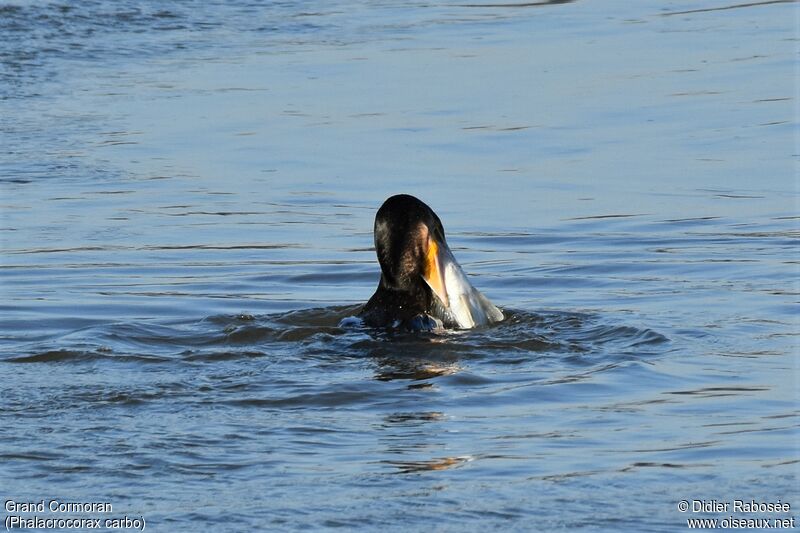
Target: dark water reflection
{"points": [[187, 193]]}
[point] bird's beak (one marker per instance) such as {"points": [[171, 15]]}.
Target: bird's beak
{"points": [[462, 303]]}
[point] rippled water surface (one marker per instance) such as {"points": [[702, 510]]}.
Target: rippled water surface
{"points": [[188, 190]]}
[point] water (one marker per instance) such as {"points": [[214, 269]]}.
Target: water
{"points": [[187, 201]]}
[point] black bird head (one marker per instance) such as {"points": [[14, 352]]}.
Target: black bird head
{"points": [[415, 259], [408, 235]]}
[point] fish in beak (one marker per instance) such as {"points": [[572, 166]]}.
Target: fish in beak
{"points": [[461, 303]]}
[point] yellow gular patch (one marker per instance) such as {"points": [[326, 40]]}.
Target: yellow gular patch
{"points": [[434, 276]]}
